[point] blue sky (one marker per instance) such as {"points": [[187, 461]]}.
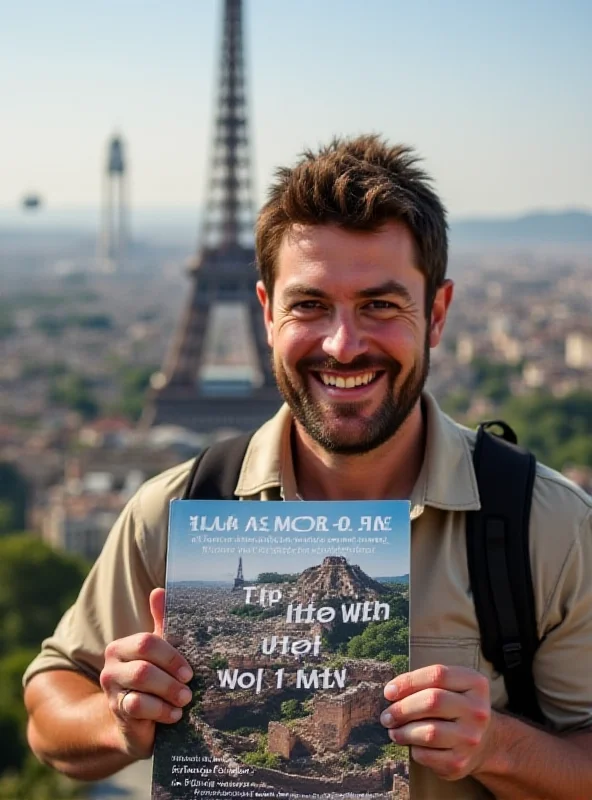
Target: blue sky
{"points": [[286, 551], [495, 95]]}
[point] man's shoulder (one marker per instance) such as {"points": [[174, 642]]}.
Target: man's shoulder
{"points": [[552, 491], [152, 499]]}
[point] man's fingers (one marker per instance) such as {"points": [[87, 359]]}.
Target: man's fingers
{"points": [[144, 678], [149, 648], [436, 733], [427, 704], [140, 706], [157, 599], [453, 679]]}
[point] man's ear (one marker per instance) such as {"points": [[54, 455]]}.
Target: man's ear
{"points": [[442, 300], [265, 301]]}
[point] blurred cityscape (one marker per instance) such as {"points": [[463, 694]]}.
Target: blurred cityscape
{"points": [[79, 347], [99, 308]]}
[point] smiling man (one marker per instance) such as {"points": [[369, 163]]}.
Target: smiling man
{"points": [[352, 252]]}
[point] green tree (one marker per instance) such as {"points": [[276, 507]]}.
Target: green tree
{"points": [[101, 322], [557, 429], [400, 664], [35, 781], [74, 392], [134, 384], [292, 709], [492, 378], [218, 662], [276, 577], [14, 748], [381, 640], [14, 492], [37, 585]]}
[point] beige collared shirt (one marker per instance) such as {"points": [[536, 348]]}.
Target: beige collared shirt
{"points": [[113, 602]]}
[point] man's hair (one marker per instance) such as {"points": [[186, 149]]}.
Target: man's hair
{"points": [[358, 184]]}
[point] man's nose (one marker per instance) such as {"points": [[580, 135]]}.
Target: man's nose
{"points": [[344, 341]]}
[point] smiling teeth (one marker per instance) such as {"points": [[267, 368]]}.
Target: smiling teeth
{"points": [[347, 383]]}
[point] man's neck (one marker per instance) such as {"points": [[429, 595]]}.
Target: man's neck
{"points": [[388, 472]]}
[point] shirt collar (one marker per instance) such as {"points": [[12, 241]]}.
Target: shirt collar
{"points": [[446, 479]]}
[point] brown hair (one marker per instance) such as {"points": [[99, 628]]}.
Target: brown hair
{"points": [[358, 184]]}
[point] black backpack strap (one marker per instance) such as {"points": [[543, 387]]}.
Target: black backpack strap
{"points": [[499, 564], [215, 471]]}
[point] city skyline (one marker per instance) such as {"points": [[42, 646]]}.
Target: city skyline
{"points": [[488, 94]]}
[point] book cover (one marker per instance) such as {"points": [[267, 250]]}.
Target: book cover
{"points": [[293, 616]]}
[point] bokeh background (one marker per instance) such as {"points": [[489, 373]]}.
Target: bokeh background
{"points": [[495, 96]]}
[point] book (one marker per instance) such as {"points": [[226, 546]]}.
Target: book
{"points": [[292, 635]]}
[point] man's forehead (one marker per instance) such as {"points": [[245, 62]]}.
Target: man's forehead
{"points": [[310, 253], [307, 239]]}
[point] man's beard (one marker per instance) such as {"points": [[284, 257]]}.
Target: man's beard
{"points": [[379, 427]]}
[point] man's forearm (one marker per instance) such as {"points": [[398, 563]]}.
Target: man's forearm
{"points": [[70, 726], [526, 763]]}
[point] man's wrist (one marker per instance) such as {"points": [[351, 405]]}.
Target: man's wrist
{"points": [[496, 759]]}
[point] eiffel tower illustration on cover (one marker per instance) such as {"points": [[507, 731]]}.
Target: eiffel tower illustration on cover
{"points": [[222, 272]]}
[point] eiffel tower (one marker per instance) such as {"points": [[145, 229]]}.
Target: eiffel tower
{"points": [[239, 581], [222, 272]]}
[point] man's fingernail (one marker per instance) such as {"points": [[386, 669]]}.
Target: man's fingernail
{"points": [[386, 718], [391, 690], [184, 696], [176, 714], [184, 674]]}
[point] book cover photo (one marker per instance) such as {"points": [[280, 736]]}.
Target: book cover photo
{"points": [[293, 616]]}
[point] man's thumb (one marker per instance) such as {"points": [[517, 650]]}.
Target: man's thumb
{"points": [[157, 609]]}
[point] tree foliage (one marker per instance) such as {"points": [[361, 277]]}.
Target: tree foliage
{"points": [[37, 585], [381, 640], [557, 429], [134, 382], [14, 491], [492, 378], [74, 391], [276, 577]]}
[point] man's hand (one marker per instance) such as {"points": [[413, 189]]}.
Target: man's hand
{"points": [[144, 680], [444, 715]]}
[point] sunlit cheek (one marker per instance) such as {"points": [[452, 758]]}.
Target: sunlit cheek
{"points": [[295, 339], [403, 339]]}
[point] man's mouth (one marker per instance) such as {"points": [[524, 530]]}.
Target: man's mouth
{"points": [[340, 381]]}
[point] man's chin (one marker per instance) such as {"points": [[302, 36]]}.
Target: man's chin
{"points": [[347, 435]]}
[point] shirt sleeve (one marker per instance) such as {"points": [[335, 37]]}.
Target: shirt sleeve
{"points": [[113, 601], [563, 663]]}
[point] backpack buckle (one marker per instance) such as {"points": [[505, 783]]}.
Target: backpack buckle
{"points": [[512, 654]]}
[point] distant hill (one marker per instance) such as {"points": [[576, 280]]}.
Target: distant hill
{"points": [[395, 579], [181, 226], [540, 227]]}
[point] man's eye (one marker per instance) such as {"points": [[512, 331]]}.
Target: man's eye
{"points": [[307, 305], [381, 305]]}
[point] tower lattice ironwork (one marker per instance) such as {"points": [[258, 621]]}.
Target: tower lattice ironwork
{"points": [[222, 272], [239, 581]]}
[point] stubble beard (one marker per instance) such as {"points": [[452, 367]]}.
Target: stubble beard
{"points": [[315, 417]]}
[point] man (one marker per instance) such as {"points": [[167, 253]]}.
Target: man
{"points": [[352, 251]]}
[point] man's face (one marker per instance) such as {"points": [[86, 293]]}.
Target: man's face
{"points": [[348, 331]]}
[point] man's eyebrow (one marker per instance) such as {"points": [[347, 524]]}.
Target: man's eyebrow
{"points": [[388, 287], [299, 289]]}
